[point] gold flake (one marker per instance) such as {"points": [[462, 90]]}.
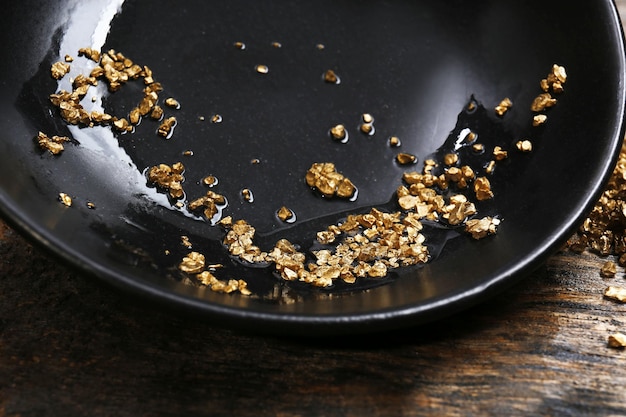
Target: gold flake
{"points": [[367, 128], [157, 113], [193, 263], [168, 178], [338, 132], [539, 119], [325, 178], [247, 195], [450, 159], [330, 77], [52, 144], [262, 69], [617, 340], [504, 106], [616, 293], [499, 154], [608, 270], [172, 102], [285, 213], [480, 228], [184, 240], [166, 127], [240, 45], [406, 158], [482, 188], [59, 69], [542, 102], [65, 199], [209, 180], [394, 141], [208, 203], [524, 145], [216, 118]]}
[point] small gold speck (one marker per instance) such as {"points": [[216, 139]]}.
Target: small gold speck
{"points": [[172, 102], [478, 147], [216, 118], [240, 45], [247, 195], [277, 45], [209, 180], [406, 158], [338, 132], [284, 213], [330, 77], [65, 199], [367, 128], [524, 145], [394, 141], [184, 240], [262, 69], [450, 159]]}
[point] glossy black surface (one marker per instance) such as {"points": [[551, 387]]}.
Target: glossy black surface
{"points": [[413, 65]]}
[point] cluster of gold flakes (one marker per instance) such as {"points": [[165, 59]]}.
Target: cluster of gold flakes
{"points": [[116, 70], [194, 264], [324, 177], [604, 229], [206, 278], [480, 228], [209, 204], [52, 144], [169, 178], [165, 128], [552, 84], [367, 125], [421, 196], [370, 244]]}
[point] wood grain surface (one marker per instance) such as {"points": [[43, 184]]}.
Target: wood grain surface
{"points": [[71, 347]]}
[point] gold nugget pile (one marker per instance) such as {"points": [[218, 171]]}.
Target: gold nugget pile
{"points": [[604, 232], [116, 70], [361, 245]]}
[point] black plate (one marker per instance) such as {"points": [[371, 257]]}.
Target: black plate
{"points": [[414, 65]]}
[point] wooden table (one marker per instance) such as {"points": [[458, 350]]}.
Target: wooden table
{"points": [[69, 346]]}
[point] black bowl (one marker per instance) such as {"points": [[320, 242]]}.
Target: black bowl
{"points": [[414, 65]]}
